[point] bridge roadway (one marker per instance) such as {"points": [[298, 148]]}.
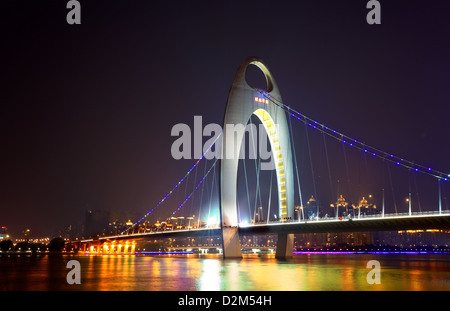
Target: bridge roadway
{"points": [[390, 222]]}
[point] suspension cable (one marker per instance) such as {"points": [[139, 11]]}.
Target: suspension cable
{"points": [[296, 167], [354, 142]]}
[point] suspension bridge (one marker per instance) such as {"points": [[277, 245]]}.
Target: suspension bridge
{"points": [[316, 179]]}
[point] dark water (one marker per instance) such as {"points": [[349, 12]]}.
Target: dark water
{"points": [[211, 272]]}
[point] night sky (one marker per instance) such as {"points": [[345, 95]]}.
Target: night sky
{"points": [[87, 110]]}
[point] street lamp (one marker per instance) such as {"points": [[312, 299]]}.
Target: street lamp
{"points": [[298, 209], [408, 200], [311, 200], [340, 202]]}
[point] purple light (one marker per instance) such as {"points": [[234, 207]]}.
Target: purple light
{"points": [[365, 252], [164, 253]]}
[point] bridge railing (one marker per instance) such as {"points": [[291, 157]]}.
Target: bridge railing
{"points": [[348, 217]]}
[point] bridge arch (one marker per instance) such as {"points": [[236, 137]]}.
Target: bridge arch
{"points": [[243, 102]]}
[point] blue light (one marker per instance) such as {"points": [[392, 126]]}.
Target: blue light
{"points": [[416, 169], [374, 154], [398, 163], [365, 150]]}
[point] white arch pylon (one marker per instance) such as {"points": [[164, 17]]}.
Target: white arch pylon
{"points": [[243, 102]]}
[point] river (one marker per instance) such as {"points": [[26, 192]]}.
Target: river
{"points": [[306, 272]]}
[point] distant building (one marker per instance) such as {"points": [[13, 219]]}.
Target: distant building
{"points": [[3, 234], [95, 222], [111, 222]]}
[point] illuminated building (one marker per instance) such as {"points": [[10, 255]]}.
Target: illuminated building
{"points": [[3, 234]]}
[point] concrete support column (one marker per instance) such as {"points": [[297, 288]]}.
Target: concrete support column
{"points": [[231, 243], [244, 101], [285, 245]]}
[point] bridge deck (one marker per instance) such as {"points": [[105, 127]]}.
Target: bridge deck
{"points": [[388, 223], [394, 223]]}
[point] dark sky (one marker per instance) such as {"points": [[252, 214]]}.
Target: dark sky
{"points": [[87, 110]]}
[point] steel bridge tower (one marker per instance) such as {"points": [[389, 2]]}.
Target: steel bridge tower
{"points": [[243, 102]]}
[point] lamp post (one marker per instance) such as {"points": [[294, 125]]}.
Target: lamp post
{"points": [[311, 200], [409, 203], [298, 209]]}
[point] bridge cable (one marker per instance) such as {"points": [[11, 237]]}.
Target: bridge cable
{"points": [[195, 189], [445, 197], [212, 192], [352, 198], [174, 187], [353, 142], [270, 197], [328, 165], [312, 171], [417, 193], [257, 168], [296, 168], [193, 198], [248, 194], [392, 187], [382, 189], [201, 198]]}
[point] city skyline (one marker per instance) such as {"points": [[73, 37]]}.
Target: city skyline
{"points": [[80, 130]]}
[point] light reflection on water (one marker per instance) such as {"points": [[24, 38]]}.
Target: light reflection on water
{"points": [[211, 272]]}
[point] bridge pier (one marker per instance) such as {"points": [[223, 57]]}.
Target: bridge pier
{"points": [[231, 243], [285, 245]]}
